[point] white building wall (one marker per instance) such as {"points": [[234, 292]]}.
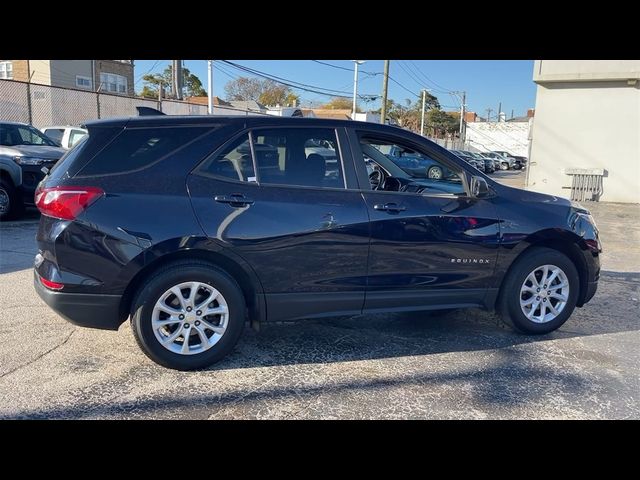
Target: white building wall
{"points": [[587, 124], [368, 117], [504, 136]]}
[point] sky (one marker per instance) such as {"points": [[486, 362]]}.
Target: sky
{"points": [[487, 82]]}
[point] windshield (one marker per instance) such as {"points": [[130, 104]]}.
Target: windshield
{"points": [[13, 135]]}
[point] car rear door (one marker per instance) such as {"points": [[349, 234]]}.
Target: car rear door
{"points": [[285, 209], [430, 248]]}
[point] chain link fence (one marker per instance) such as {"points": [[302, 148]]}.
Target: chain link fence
{"points": [[44, 105]]}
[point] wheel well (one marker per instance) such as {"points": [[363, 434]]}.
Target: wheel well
{"points": [[570, 249], [230, 267], [4, 175]]}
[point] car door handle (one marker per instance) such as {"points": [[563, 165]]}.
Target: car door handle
{"points": [[235, 200], [389, 207]]}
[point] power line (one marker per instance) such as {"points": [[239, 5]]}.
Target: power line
{"points": [[148, 71], [334, 66], [402, 86], [373, 74], [291, 83], [420, 72], [413, 77]]}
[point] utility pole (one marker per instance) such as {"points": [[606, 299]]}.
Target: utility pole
{"points": [[385, 85], [355, 87], [424, 101], [178, 78], [489, 110], [499, 110], [160, 95], [210, 86], [462, 112], [512, 114], [29, 108]]}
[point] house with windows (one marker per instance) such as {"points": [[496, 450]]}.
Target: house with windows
{"points": [[108, 76]]}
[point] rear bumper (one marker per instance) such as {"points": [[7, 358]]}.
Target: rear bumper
{"points": [[84, 310]]}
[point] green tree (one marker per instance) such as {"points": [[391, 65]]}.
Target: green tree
{"points": [[440, 122], [264, 91], [340, 103], [193, 85], [409, 115]]}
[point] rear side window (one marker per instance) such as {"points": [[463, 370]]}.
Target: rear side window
{"points": [[233, 162], [306, 157], [138, 148], [55, 134]]}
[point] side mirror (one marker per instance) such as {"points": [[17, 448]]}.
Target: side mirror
{"points": [[479, 187]]}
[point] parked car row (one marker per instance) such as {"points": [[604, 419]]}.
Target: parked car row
{"points": [[489, 162], [24, 152]]}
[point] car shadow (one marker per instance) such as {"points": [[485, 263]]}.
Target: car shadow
{"points": [[497, 386], [373, 336]]}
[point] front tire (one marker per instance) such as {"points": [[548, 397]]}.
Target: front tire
{"points": [[540, 292], [188, 316], [504, 166], [10, 203]]}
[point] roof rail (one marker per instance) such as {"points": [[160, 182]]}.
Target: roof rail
{"points": [[148, 111]]}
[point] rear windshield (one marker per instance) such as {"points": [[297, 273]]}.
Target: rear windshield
{"points": [[138, 148]]}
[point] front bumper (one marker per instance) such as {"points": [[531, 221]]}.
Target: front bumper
{"points": [[84, 310], [31, 177]]}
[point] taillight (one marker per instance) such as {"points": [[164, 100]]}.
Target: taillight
{"points": [[66, 203], [51, 285]]}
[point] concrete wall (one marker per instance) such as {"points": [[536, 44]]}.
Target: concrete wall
{"points": [[587, 124], [584, 70], [63, 72], [502, 136]]}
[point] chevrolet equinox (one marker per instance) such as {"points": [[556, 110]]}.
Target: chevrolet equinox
{"points": [[190, 226]]}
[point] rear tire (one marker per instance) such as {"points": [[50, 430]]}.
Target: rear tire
{"points": [[145, 319], [11, 205], [519, 294], [504, 166]]}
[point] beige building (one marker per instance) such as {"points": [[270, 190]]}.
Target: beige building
{"points": [[587, 117], [109, 76]]}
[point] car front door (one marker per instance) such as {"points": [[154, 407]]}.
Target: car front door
{"points": [[282, 204], [432, 244]]}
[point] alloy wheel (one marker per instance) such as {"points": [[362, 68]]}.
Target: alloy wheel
{"points": [[544, 293], [190, 318]]}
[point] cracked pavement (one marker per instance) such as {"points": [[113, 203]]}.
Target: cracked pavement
{"points": [[459, 365]]}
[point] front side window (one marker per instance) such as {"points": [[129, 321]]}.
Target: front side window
{"points": [[307, 157], [395, 166], [6, 70]]}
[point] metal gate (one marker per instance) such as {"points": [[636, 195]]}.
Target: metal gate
{"points": [[586, 184]]}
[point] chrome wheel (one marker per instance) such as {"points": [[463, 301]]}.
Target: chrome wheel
{"points": [[5, 202], [544, 293], [190, 318], [435, 173]]}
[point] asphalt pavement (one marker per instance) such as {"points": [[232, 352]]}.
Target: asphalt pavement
{"points": [[459, 365]]}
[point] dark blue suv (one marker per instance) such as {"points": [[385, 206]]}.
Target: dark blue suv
{"points": [[190, 226]]}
